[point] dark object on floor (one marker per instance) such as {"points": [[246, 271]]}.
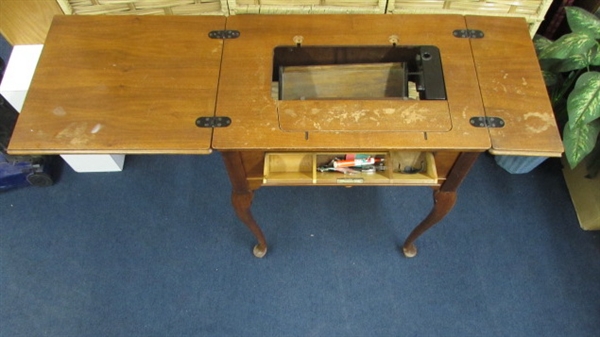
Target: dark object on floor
{"points": [[19, 171]]}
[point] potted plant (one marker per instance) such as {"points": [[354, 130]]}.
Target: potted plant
{"points": [[571, 68]]}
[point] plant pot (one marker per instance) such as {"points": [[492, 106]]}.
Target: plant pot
{"points": [[519, 164]]}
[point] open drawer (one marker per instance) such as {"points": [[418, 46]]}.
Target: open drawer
{"points": [[373, 168]]}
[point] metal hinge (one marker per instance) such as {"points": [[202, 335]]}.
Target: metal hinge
{"points": [[487, 122], [213, 122], [224, 34], [468, 33]]}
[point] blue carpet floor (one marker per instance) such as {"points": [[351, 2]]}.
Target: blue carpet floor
{"points": [[156, 250]]}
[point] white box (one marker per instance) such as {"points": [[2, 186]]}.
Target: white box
{"points": [[19, 72], [95, 162], [15, 84]]}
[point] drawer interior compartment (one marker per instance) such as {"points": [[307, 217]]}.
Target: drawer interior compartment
{"points": [[349, 169], [292, 168], [371, 168], [412, 167]]}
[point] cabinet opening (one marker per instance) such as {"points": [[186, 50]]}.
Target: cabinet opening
{"points": [[358, 73]]}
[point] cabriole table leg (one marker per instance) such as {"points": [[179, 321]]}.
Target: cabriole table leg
{"points": [[241, 202], [241, 199], [442, 204], [443, 199]]}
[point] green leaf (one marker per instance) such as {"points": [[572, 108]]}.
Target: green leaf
{"points": [[540, 42], [593, 162], [583, 103], [573, 62], [581, 20], [568, 45], [579, 141], [595, 56], [549, 64], [550, 78]]}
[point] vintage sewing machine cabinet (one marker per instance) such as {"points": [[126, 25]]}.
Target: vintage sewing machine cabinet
{"points": [[282, 97]]}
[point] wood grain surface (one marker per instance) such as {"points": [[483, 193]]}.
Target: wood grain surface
{"points": [[122, 84], [246, 75], [136, 84], [27, 21]]}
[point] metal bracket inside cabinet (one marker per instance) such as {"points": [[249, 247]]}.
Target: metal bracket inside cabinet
{"points": [[487, 122], [224, 34], [468, 33], [213, 122], [431, 76]]}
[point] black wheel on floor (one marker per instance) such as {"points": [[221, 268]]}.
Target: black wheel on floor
{"points": [[40, 179]]}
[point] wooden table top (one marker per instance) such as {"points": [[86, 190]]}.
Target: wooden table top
{"points": [[122, 84], [257, 118], [137, 84], [512, 88]]}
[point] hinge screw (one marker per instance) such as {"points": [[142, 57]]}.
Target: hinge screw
{"points": [[298, 39]]}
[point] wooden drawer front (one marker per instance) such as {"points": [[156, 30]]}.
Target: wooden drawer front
{"points": [[302, 168], [444, 160]]}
